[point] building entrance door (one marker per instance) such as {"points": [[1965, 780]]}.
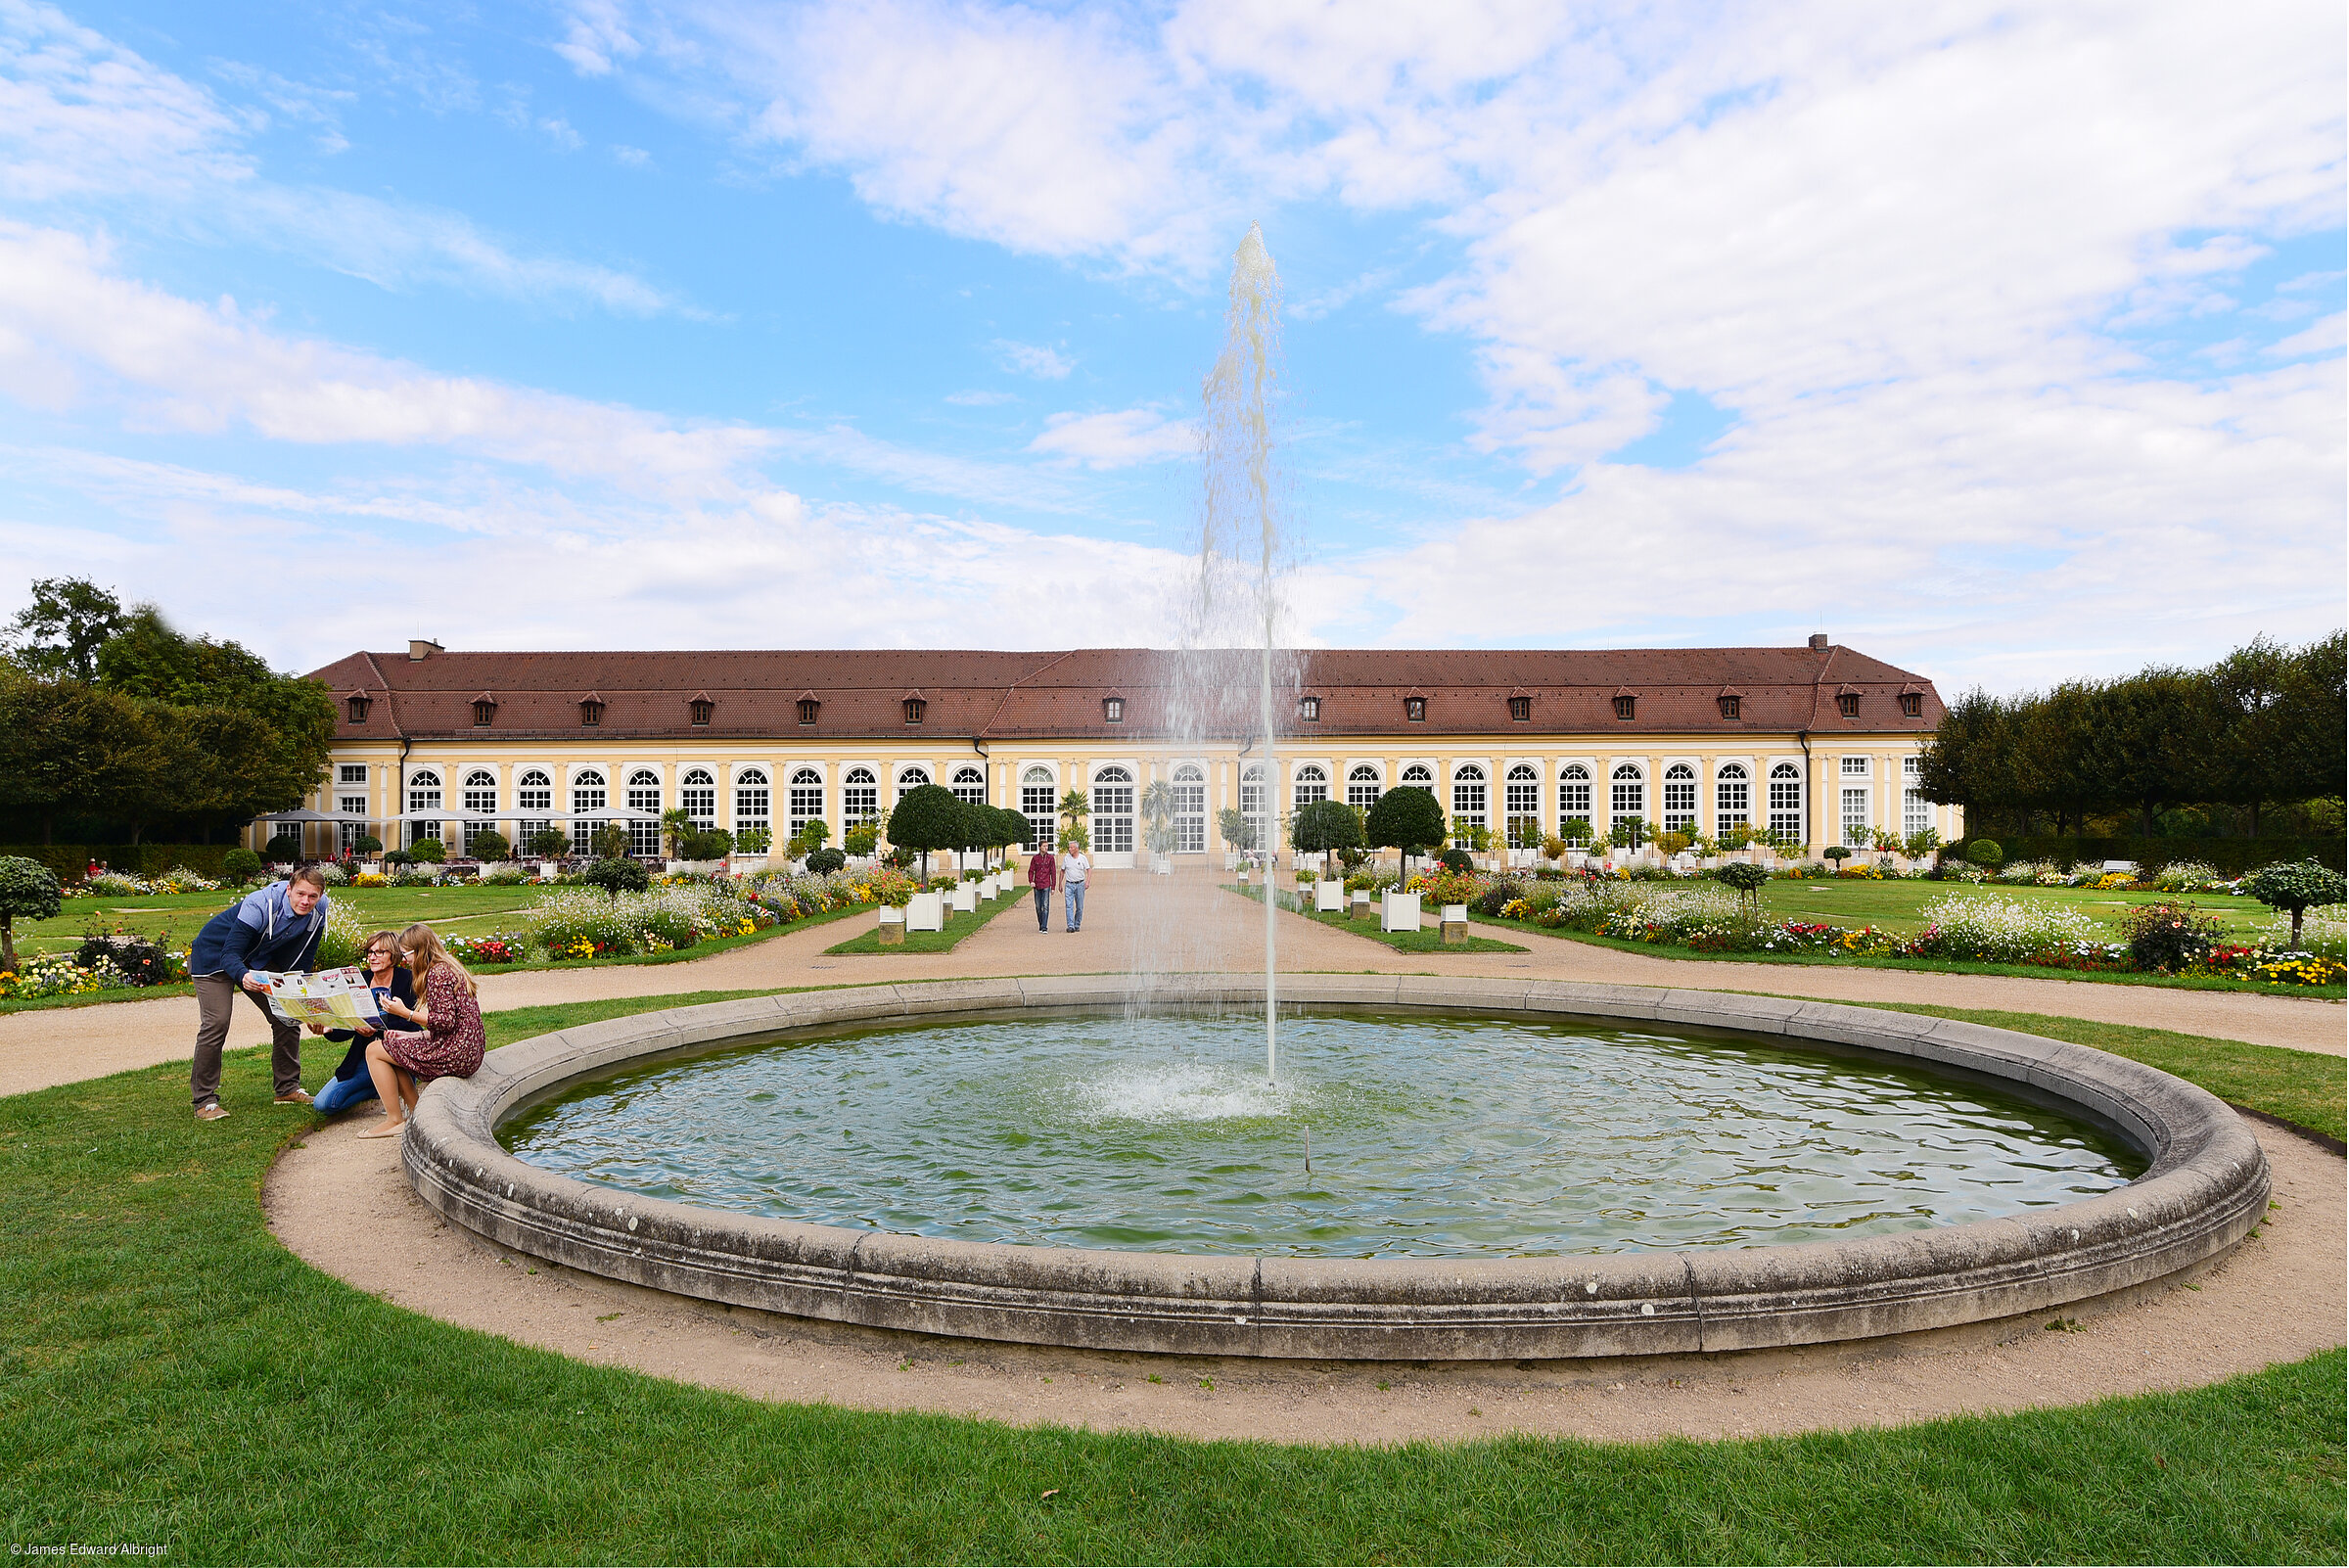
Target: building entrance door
{"points": [[1112, 819]]}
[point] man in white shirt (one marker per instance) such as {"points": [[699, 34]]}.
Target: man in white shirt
{"points": [[1072, 866]]}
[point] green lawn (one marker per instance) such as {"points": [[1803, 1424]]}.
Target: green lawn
{"points": [[461, 910], [946, 940], [1426, 939], [1900, 905], [170, 1375]]}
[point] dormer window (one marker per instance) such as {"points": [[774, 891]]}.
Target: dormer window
{"points": [[1627, 708], [358, 706], [1112, 709], [1913, 705], [1308, 709], [1730, 707], [1521, 710], [484, 709], [914, 707], [1414, 708], [809, 708], [703, 708], [1848, 704], [591, 711]]}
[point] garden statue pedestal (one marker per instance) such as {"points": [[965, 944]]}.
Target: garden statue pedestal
{"points": [[1456, 923], [1361, 903], [892, 927]]}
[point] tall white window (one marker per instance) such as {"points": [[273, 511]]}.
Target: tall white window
{"points": [[1190, 809], [1916, 812], [911, 778], [644, 795], [1521, 805], [752, 801], [859, 796], [807, 801], [423, 795], [1312, 784], [588, 792], [1040, 804], [1113, 811], [533, 790], [1856, 815], [697, 797], [481, 804], [1733, 796], [1256, 802], [969, 786], [1627, 798], [1786, 802], [1362, 786], [1470, 800], [1680, 799], [352, 777], [1574, 800]]}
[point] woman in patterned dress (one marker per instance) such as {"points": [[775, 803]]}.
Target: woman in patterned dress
{"points": [[446, 1041]]}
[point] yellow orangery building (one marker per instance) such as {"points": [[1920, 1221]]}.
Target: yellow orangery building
{"points": [[1818, 743]]}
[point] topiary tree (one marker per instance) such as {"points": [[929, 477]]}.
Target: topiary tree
{"points": [[367, 844], [1985, 853], [29, 888], [491, 844], [1321, 826], [430, 850], [549, 843], [822, 863], [1837, 854], [283, 846], [1747, 878], [1238, 830], [241, 863], [1405, 819], [927, 817], [618, 874], [1014, 826], [1456, 861], [2293, 886]]}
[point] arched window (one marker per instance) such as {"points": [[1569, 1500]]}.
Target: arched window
{"points": [[644, 797], [805, 801], [969, 786], [859, 797], [1786, 802], [1113, 811], [752, 803], [1190, 809], [1680, 799], [1310, 785], [1255, 804], [911, 777], [481, 804], [1363, 786], [1521, 805], [697, 796], [1574, 803], [1420, 776], [533, 790], [587, 794], [424, 790], [1040, 804], [1626, 800], [1733, 796], [1469, 802]]}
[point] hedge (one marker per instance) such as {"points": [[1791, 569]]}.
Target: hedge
{"points": [[2232, 856], [71, 860]]}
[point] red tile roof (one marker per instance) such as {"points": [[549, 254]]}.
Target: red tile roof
{"points": [[1005, 695]]}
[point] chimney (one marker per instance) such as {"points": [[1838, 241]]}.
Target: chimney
{"points": [[1819, 639], [423, 648]]}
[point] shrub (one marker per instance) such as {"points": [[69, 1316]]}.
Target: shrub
{"points": [[2170, 937], [753, 840], [706, 844], [928, 818], [1985, 853], [332, 874], [504, 876], [1458, 861], [431, 851], [491, 844], [2292, 887], [2185, 876], [138, 960], [241, 865], [821, 862], [1837, 854], [618, 875], [1498, 895], [367, 844], [1405, 819], [28, 889], [1991, 930], [1747, 879], [861, 839], [549, 843], [611, 840]]}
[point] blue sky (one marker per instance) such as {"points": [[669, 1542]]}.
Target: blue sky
{"points": [[2007, 346]]}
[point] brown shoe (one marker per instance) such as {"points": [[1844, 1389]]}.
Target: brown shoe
{"points": [[297, 1097], [211, 1111]]}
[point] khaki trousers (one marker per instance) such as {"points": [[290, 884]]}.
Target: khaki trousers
{"points": [[216, 1006]]}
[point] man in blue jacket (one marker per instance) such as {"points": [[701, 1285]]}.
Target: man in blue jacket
{"points": [[275, 929]]}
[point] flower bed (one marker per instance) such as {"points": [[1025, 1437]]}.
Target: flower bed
{"points": [[123, 885]]}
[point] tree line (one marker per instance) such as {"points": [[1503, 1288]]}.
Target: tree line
{"points": [[2260, 728], [113, 720]]}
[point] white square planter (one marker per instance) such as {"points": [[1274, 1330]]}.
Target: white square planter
{"points": [[1400, 911], [926, 911], [1456, 923], [891, 923], [548, 870], [966, 898], [1329, 897]]}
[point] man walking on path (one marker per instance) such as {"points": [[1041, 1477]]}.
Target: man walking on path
{"points": [[1043, 878], [1072, 868], [275, 929]]}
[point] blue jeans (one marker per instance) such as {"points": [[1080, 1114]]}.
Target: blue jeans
{"points": [[341, 1094], [1043, 909], [1075, 899]]}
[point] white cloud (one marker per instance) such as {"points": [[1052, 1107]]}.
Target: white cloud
{"points": [[1118, 440], [981, 399], [1032, 360], [2325, 337]]}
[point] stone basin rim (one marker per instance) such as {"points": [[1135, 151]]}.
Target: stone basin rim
{"points": [[2205, 1187]]}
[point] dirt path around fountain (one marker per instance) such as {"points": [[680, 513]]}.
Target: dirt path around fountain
{"points": [[339, 1203], [1220, 932]]}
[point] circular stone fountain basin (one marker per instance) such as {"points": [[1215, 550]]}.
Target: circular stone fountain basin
{"points": [[2133, 1177], [1443, 1136]]}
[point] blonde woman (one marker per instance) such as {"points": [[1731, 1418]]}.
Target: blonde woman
{"points": [[446, 1041]]}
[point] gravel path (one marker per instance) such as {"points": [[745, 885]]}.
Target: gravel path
{"points": [[1141, 923]]}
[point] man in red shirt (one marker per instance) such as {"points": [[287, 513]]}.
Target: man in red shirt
{"points": [[1043, 876]]}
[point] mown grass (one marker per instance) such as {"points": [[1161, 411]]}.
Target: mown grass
{"points": [[180, 915], [1424, 938], [946, 940], [170, 1375], [1900, 905]]}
